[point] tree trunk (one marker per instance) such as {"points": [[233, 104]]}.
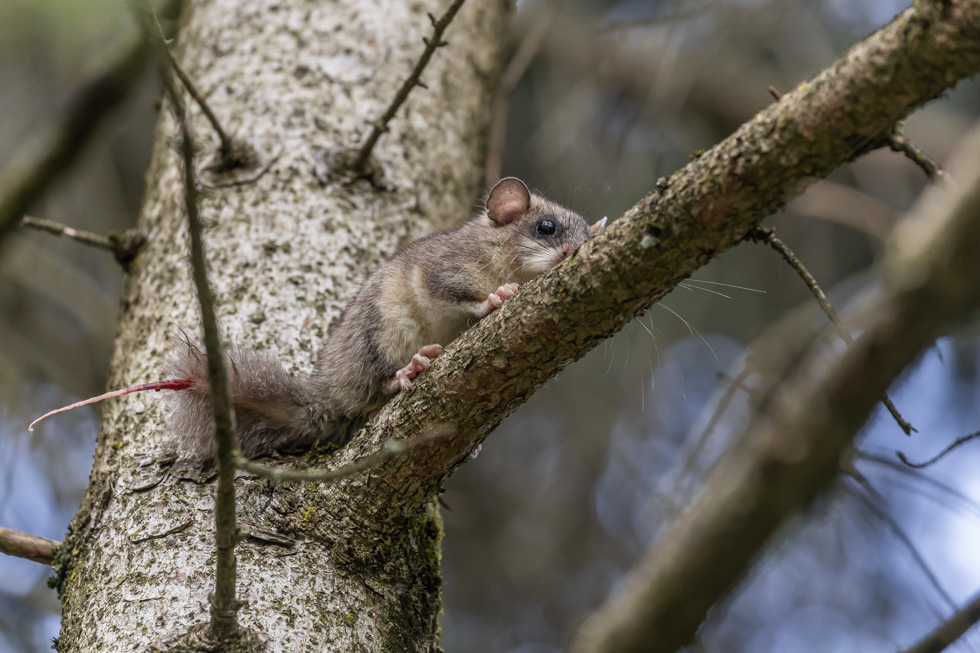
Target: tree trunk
{"points": [[287, 246]]}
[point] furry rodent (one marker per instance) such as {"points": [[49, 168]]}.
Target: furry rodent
{"points": [[427, 294]]}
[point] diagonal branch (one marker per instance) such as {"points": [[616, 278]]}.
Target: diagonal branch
{"points": [[701, 211], [793, 450]]}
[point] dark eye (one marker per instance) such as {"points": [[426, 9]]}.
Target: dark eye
{"points": [[546, 228]]}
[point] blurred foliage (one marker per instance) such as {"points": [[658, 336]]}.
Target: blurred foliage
{"points": [[570, 490]]}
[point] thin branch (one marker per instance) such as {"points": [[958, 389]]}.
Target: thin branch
{"points": [[124, 247], [25, 545], [947, 491], [515, 70], [233, 152], [390, 449], [767, 236], [380, 125], [224, 625], [898, 142], [960, 441], [45, 157], [950, 630]]}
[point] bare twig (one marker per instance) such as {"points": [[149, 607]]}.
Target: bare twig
{"points": [[767, 236], [233, 153], [950, 630], [518, 65], [390, 449], [898, 142], [25, 545], [963, 439], [124, 247], [380, 125]]}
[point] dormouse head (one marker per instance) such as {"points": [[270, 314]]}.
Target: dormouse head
{"points": [[544, 233]]}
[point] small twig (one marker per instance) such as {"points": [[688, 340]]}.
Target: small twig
{"points": [[124, 247], [963, 439], [380, 125], [950, 630], [25, 545], [947, 491], [232, 152], [775, 93], [898, 142], [768, 237], [390, 449], [515, 70]]}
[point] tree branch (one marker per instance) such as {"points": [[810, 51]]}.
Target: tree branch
{"points": [[950, 630], [40, 161], [432, 43], [25, 545], [793, 449], [701, 211]]}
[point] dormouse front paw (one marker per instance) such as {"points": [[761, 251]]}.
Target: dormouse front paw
{"points": [[420, 362], [495, 299]]}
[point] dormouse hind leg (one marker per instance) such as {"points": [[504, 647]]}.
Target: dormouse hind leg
{"points": [[494, 300], [420, 363]]}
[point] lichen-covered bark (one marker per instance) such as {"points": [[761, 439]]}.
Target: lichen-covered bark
{"points": [[299, 81]]}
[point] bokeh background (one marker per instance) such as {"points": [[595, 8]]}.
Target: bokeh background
{"points": [[565, 496]]}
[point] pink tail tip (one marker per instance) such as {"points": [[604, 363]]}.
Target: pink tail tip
{"points": [[173, 384]]}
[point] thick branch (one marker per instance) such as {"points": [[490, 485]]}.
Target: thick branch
{"points": [[793, 450], [703, 210]]}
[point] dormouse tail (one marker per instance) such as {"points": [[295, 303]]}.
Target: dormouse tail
{"points": [[174, 384], [274, 410]]}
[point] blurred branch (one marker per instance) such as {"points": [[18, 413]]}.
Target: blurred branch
{"points": [[767, 236], [25, 545], [432, 43], [848, 206], [793, 448], [526, 51], [950, 630], [124, 247], [40, 161]]}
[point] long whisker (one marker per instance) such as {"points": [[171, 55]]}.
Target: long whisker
{"points": [[713, 292], [727, 285], [691, 329]]}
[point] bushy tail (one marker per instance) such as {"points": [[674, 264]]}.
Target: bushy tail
{"points": [[273, 409]]}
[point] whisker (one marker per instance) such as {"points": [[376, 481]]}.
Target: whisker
{"points": [[692, 330], [713, 292], [727, 285]]}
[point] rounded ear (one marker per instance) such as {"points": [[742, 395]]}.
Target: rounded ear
{"points": [[508, 200]]}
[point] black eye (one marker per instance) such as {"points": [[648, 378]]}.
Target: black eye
{"points": [[546, 228]]}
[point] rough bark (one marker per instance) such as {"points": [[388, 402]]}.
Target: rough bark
{"points": [[299, 81]]}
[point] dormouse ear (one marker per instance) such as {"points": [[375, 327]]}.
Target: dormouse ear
{"points": [[598, 226], [508, 200]]}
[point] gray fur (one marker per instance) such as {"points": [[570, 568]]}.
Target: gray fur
{"points": [[428, 293]]}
